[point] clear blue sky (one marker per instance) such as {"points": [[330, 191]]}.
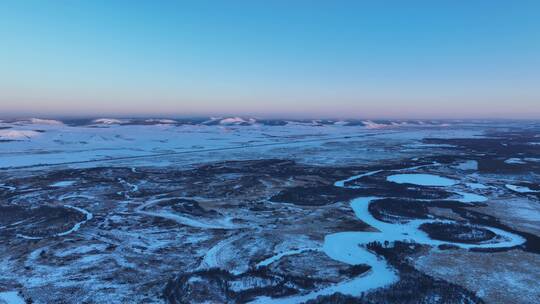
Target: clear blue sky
{"points": [[410, 59]]}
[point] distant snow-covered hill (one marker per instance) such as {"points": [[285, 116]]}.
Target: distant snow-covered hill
{"points": [[27, 142]]}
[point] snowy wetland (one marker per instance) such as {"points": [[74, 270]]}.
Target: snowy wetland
{"points": [[240, 210]]}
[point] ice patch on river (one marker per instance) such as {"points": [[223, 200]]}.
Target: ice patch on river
{"points": [[422, 146], [11, 297], [63, 184], [341, 183], [280, 255], [220, 223], [476, 186], [515, 161]]}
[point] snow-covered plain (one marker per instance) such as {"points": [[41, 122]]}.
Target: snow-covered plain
{"points": [[151, 200], [115, 139]]}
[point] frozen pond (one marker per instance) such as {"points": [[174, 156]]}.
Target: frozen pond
{"points": [[467, 197], [520, 189], [467, 165], [476, 186], [421, 180]]}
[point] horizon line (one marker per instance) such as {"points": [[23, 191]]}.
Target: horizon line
{"points": [[254, 116]]}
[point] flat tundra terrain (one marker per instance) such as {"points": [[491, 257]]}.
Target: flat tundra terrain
{"points": [[237, 210]]}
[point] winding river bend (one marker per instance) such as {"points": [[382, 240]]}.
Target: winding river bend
{"points": [[350, 247]]}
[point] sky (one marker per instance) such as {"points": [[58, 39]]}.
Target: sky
{"points": [[327, 59]]}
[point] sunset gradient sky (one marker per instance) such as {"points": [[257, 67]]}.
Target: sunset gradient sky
{"points": [[354, 59]]}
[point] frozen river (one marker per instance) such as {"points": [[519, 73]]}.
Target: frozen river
{"points": [[351, 247]]}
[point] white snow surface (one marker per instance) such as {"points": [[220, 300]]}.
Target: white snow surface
{"points": [[162, 121], [373, 125], [9, 134], [108, 121], [236, 120], [110, 139], [39, 121]]}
